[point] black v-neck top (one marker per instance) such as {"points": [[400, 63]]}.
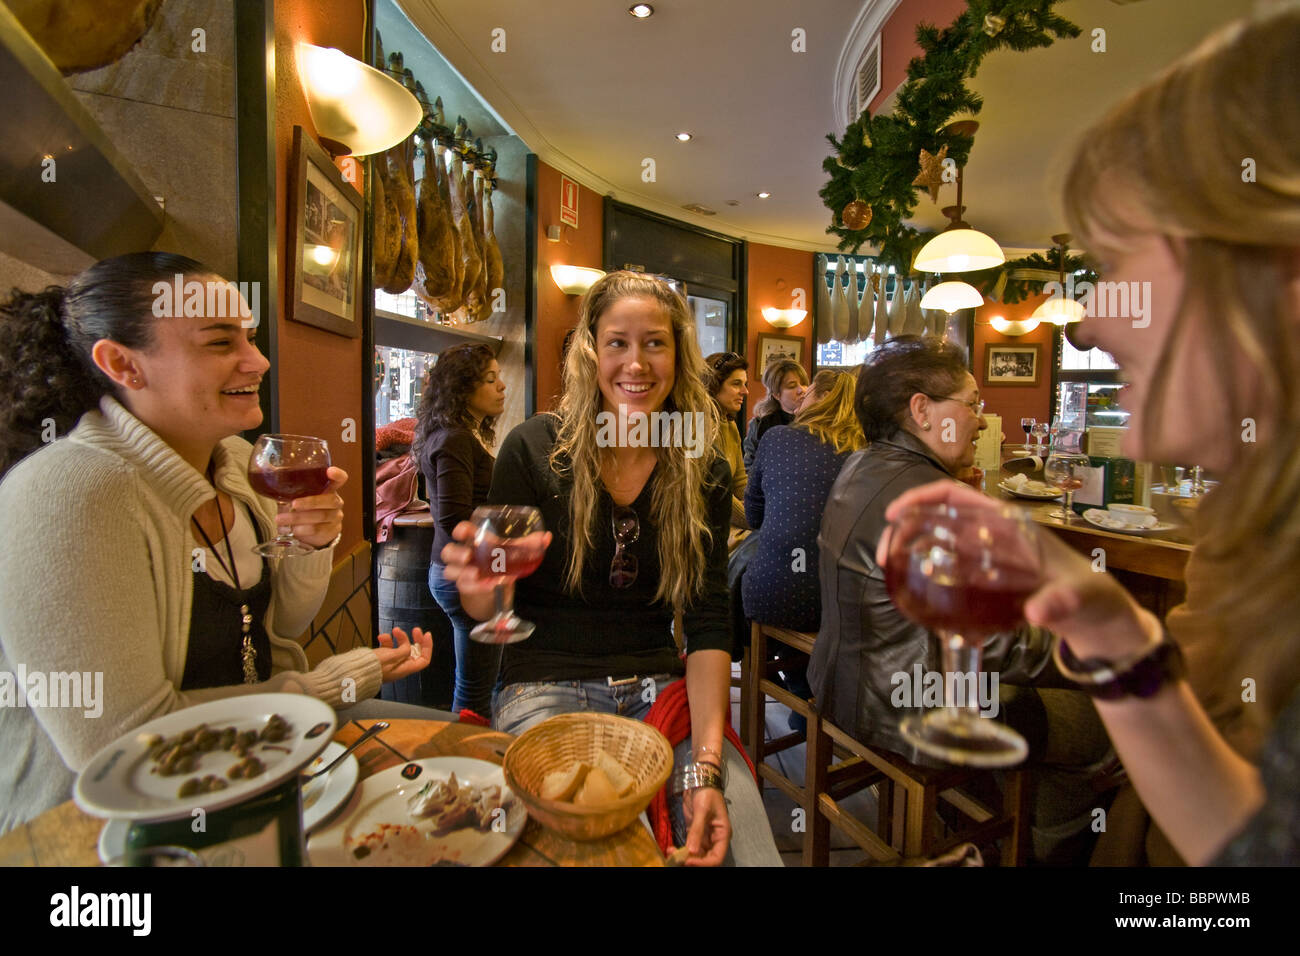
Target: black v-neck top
{"points": [[607, 631]]}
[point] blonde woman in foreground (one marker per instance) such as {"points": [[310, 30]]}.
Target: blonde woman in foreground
{"points": [[1215, 368]]}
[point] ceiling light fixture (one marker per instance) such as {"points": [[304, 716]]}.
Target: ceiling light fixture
{"points": [[1058, 309], [355, 108], [641, 10], [575, 280], [959, 248], [764, 195], [952, 297], [683, 137]]}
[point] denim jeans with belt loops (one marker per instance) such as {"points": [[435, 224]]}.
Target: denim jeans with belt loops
{"points": [[517, 707]]}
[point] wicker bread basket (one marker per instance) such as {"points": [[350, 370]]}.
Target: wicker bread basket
{"points": [[555, 744]]}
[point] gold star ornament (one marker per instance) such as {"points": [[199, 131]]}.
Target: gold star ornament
{"points": [[930, 177]]}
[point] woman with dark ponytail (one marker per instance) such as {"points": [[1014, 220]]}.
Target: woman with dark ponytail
{"points": [[129, 523]]}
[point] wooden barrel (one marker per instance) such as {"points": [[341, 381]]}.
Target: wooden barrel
{"points": [[402, 594]]}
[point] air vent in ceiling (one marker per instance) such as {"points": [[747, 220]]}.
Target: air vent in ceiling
{"points": [[868, 78], [702, 210]]}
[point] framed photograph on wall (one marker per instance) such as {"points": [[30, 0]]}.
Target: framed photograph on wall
{"points": [[1013, 365], [772, 346], [325, 224]]}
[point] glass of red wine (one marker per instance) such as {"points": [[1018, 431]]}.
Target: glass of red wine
{"points": [[964, 572], [1065, 470], [507, 546], [285, 467], [1028, 425]]}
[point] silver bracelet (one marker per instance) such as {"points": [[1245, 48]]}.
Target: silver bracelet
{"points": [[696, 775]]}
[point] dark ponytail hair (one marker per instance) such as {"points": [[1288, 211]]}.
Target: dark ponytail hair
{"points": [[46, 372]]}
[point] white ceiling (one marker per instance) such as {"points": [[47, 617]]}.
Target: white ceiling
{"points": [[594, 92]]}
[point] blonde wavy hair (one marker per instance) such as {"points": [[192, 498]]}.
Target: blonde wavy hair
{"points": [[1154, 165], [831, 418], [678, 508]]}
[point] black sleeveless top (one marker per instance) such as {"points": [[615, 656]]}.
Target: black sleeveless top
{"points": [[214, 658]]}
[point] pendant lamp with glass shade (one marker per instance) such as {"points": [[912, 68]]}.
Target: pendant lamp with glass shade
{"points": [[1060, 310], [953, 296], [959, 248]]}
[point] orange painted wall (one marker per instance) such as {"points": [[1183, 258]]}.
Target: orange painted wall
{"points": [[1016, 402], [557, 312], [320, 372], [898, 39], [774, 274]]}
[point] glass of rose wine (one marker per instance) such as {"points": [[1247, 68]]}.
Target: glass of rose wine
{"points": [[1065, 470], [507, 546], [964, 572], [285, 467]]}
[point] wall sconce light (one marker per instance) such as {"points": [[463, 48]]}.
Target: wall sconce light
{"points": [[355, 108], [575, 280], [1012, 329], [784, 318]]}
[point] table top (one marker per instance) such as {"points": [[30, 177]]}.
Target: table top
{"points": [[65, 836]]}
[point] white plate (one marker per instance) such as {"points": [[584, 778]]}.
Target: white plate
{"points": [[1026, 494], [118, 782], [320, 799], [383, 799], [1092, 515]]}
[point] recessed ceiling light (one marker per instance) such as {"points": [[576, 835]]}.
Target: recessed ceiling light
{"points": [[641, 10], [764, 195], [683, 137]]}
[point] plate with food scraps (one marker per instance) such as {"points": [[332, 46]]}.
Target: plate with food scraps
{"points": [[321, 797], [209, 756], [1100, 519], [439, 811], [1034, 490]]}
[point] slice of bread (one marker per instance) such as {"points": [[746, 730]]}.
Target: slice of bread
{"points": [[622, 781], [563, 784], [596, 790]]}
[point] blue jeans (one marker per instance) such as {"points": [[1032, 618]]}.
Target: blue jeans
{"points": [[476, 664], [516, 707]]}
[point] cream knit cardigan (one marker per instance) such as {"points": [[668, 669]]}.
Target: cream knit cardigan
{"points": [[96, 576]]}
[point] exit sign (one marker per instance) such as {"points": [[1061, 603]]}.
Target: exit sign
{"points": [[568, 202]]}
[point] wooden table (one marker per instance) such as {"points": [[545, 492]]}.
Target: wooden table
{"points": [[65, 836]]}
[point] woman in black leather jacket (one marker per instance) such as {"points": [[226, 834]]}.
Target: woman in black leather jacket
{"points": [[921, 412]]}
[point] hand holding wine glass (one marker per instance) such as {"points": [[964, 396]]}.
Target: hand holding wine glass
{"points": [[1092, 611], [966, 572], [290, 468], [502, 543]]}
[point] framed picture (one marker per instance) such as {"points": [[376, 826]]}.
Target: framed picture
{"points": [[1012, 365], [772, 346], [325, 236]]}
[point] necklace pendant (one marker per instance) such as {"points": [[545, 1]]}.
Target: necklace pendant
{"points": [[250, 660]]}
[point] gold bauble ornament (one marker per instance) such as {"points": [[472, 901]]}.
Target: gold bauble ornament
{"points": [[931, 175], [856, 215], [993, 24]]}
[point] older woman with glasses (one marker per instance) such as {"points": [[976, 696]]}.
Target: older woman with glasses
{"points": [[921, 412], [638, 502]]}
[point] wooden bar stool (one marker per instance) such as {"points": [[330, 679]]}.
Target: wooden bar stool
{"points": [[908, 822], [758, 684]]}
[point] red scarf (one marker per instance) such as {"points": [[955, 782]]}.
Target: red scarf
{"points": [[671, 716]]}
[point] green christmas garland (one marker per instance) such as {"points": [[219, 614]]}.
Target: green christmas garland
{"points": [[1010, 284], [878, 157]]}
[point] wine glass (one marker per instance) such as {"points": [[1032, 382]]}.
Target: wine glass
{"points": [[1039, 432], [507, 546], [285, 467], [965, 572], [1028, 425], [1065, 470]]}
